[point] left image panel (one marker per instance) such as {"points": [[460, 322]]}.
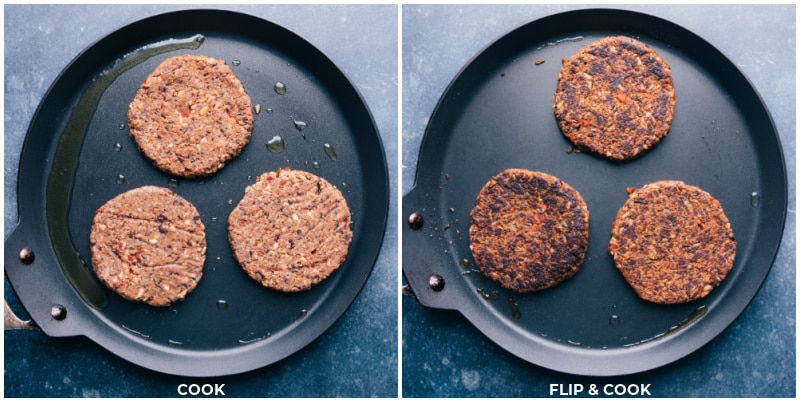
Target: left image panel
{"points": [[201, 201]]}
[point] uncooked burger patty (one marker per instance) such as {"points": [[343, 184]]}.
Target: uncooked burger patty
{"points": [[672, 242], [615, 98], [148, 245], [291, 230], [191, 116], [529, 230]]}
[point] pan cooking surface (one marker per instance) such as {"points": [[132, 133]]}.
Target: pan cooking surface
{"points": [[498, 114], [230, 322]]}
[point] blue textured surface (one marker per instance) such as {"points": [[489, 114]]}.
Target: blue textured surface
{"points": [[356, 357], [443, 355]]}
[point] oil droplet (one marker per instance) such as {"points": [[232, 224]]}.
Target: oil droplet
{"points": [[269, 111], [121, 126], [280, 88], [755, 199], [248, 341], [614, 320], [172, 182], [329, 151], [301, 315], [135, 332], [213, 219], [236, 63], [275, 145], [299, 125], [463, 263], [117, 147], [120, 179], [257, 108], [514, 308], [222, 304], [174, 343], [315, 165], [488, 296]]}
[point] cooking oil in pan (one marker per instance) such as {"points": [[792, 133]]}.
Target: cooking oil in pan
{"points": [[514, 308], [329, 151], [65, 165], [280, 88], [693, 317], [276, 144], [299, 125], [755, 199]]}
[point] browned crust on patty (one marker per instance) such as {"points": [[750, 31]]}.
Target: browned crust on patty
{"points": [[149, 245], [615, 98], [291, 230], [191, 116], [672, 242], [529, 230]]}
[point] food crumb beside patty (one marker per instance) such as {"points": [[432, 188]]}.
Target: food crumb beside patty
{"points": [[149, 245], [191, 116], [615, 98], [529, 230], [672, 242], [291, 230]]}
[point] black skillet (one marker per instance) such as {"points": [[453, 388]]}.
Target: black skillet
{"points": [[497, 113], [70, 166]]}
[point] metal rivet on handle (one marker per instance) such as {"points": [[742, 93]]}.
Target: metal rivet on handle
{"points": [[26, 256], [58, 312], [436, 282], [415, 221]]}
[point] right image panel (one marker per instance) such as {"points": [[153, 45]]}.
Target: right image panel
{"points": [[598, 201]]}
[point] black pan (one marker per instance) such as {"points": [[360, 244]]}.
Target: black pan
{"points": [[70, 166], [497, 113]]}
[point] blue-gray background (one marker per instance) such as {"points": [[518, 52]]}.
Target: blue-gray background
{"points": [[444, 356], [357, 356]]}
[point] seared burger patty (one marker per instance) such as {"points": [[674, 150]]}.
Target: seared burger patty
{"points": [[529, 230], [672, 242], [615, 98]]}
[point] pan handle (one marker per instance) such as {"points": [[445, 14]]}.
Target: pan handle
{"points": [[33, 271], [427, 268], [13, 322]]}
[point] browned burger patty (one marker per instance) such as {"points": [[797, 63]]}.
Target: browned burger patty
{"points": [[615, 98], [291, 230], [148, 245], [529, 230], [191, 116], [672, 242]]}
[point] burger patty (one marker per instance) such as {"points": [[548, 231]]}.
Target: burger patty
{"points": [[291, 230], [148, 244], [615, 98], [191, 116], [672, 242], [529, 230]]}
